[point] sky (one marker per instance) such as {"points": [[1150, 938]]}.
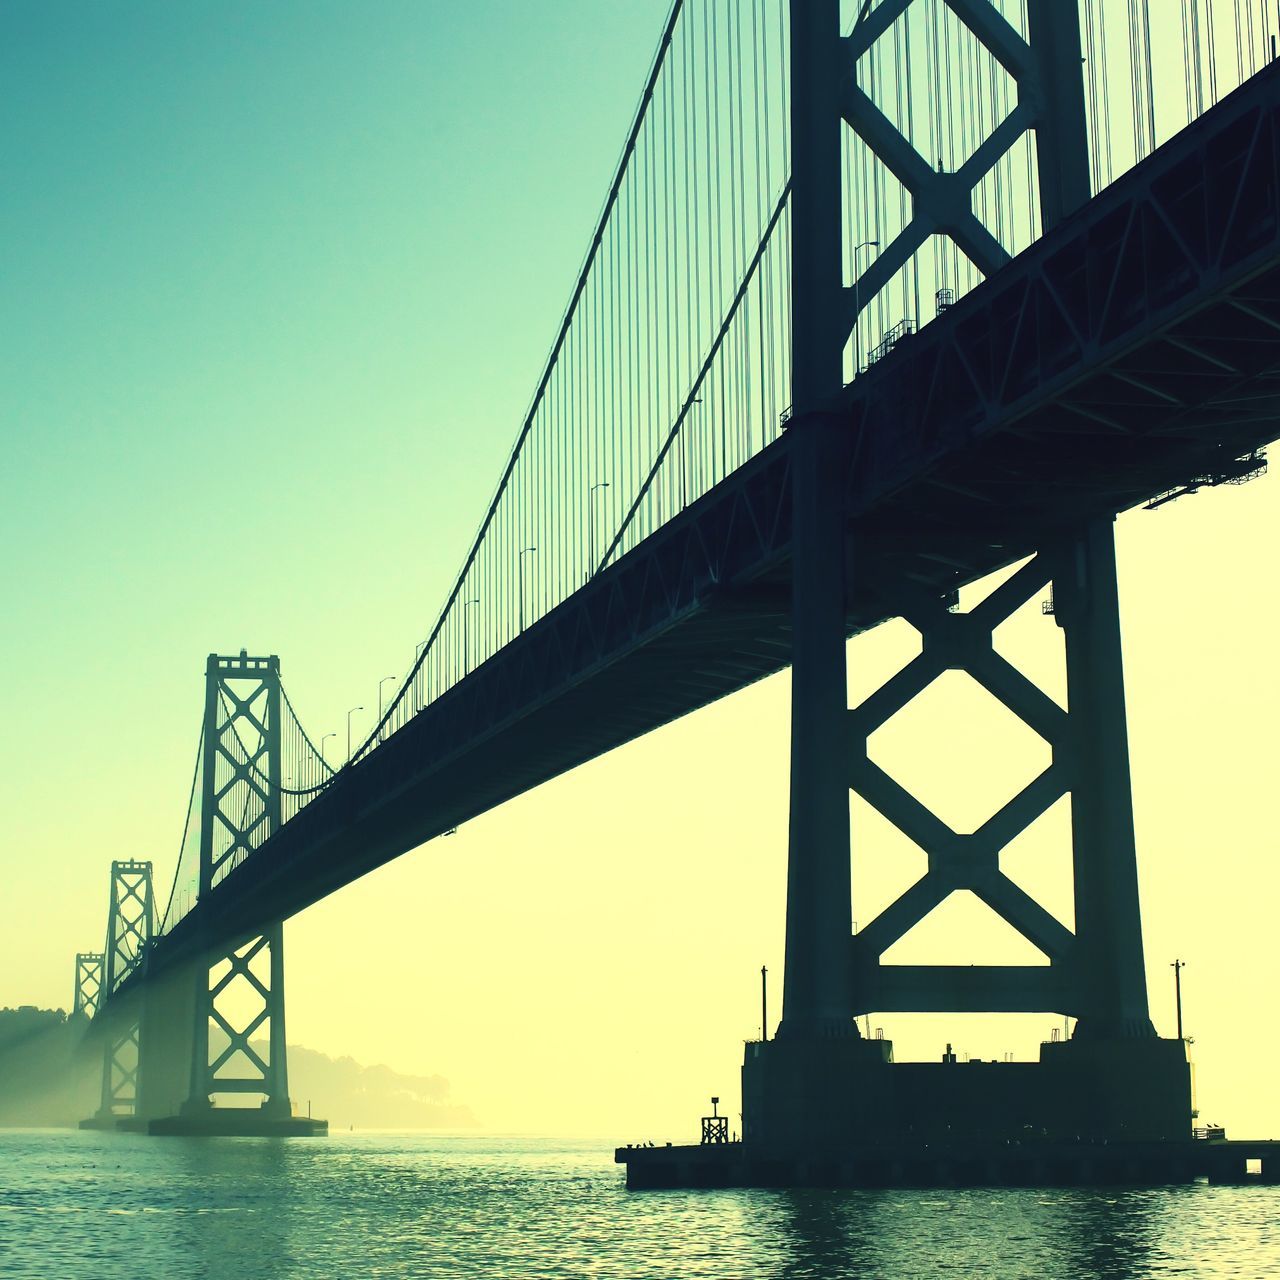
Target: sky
{"points": [[277, 284]]}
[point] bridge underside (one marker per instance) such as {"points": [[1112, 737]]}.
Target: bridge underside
{"points": [[1130, 353]]}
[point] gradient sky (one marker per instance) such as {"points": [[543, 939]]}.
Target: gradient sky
{"points": [[277, 282]]}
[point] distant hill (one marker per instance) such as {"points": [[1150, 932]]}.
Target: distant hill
{"points": [[345, 1092], [46, 1079], [50, 1079]]}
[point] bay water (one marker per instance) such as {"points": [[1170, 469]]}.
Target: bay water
{"points": [[92, 1206]]}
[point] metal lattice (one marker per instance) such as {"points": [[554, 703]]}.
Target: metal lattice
{"points": [[88, 988]]}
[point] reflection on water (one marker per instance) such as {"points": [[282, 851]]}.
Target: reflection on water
{"points": [[94, 1205]]}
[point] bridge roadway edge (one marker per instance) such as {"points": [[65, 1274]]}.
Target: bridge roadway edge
{"points": [[1130, 351]]}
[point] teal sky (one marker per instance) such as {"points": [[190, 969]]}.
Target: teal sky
{"points": [[276, 282]]}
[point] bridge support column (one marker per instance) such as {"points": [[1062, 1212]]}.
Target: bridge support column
{"points": [[130, 927], [816, 1004], [818, 1065], [240, 995], [1111, 970], [1115, 1079], [165, 1026]]}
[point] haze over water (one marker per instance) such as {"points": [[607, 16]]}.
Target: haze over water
{"points": [[389, 1205]]}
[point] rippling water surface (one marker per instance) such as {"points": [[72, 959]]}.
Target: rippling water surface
{"points": [[85, 1205]]}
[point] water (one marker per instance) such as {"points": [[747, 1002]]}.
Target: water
{"points": [[86, 1206]]}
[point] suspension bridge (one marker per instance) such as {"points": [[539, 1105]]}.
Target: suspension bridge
{"points": [[883, 298]]}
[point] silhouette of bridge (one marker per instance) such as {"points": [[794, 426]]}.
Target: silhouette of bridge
{"points": [[874, 308]]}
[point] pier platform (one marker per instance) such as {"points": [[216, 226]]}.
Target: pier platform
{"points": [[962, 1164], [216, 1122]]}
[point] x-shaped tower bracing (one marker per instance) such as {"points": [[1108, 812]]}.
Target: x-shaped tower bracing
{"points": [[88, 985], [130, 927], [1050, 102], [959, 861], [243, 991]]}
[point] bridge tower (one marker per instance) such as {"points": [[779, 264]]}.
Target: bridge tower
{"points": [[88, 984], [241, 993], [818, 1081], [130, 928]]}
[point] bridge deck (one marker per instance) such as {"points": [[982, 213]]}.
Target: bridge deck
{"points": [[1129, 352]]}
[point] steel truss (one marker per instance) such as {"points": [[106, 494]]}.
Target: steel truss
{"points": [[1074, 982], [88, 987], [130, 929], [240, 808], [1050, 91]]}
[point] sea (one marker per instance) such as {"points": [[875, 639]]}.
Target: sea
{"points": [[93, 1206]]}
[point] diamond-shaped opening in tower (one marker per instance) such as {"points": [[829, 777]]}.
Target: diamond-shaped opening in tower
{"points": [[879, 654], [1007, 198], [240, 1003], [1039, 861], [959, 751], [885, 863], [239, 1066], [963, 930], [957, 95], [1029, 637], [240, 805]]}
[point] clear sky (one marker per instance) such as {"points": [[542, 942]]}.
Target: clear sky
{"points": [[277, 282]]}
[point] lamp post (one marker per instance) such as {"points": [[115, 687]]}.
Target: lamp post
{"points": [[420, 677], [857, 303], [1177, 967], [591, 529], [381, 712], [520, 575], [349, 715], [323, 761], [466, 647]]}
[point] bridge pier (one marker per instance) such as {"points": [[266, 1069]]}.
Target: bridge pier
{"points": [[130, 927], [240, 993], [817, 1086], [163, 1065], [814, 1084]]}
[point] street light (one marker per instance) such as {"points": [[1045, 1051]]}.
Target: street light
{"points": [[349, 715], [466, 648], [520, 575], [591, 528], [857, 302], [322, 741], [381, 713]]}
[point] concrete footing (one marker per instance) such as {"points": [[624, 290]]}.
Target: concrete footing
{"points": [[237, 1122], [837, 1094], [916, 1164], [214, 1122]]}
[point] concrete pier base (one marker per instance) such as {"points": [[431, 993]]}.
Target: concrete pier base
{"points": [[817, 1095], [237, 1122], [955, 1164], [215, 1122]]}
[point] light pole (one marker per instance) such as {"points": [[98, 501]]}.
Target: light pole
{"points": [[349, 715], [466, 647], [591, 528], [520, 575], [420, 677], [1177, 967], [381, 712], [323, 761], [857, 303]]}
